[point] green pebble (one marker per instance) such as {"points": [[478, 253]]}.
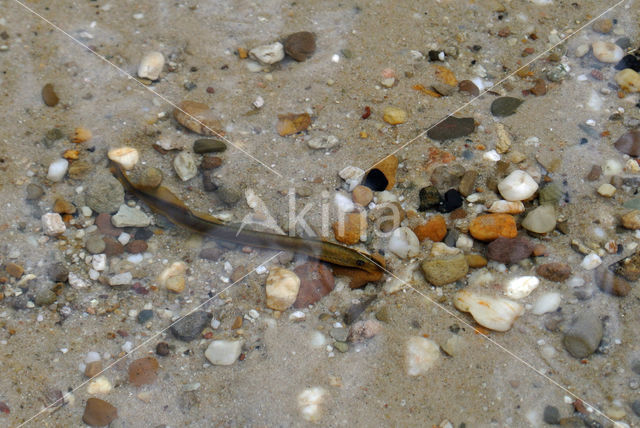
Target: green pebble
{"points": [[45, 297], [209, 145], [341, 346], [550, 194], [632, 204], [505, 106]]}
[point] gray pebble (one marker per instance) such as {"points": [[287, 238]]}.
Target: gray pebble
{"points": [[228, 196], [45, 297], [104, 194], [145, 315], [130, 217], [190, 327], [58, 272], [95, 244], [341, 346], [583, 336], [339, 334], [551, 415], [34, 192], [635, 406]]}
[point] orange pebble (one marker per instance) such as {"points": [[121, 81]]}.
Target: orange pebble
{"points": [[488, 227], [435, 229], [348, 232]]}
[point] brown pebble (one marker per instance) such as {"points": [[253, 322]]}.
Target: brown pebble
{"points": [[210, 162], [49, 95], [237, 323], [362, 195], [611, 283], [539, 250], [81, 135], [103, 222], [602, 25], [162, 349], [79, 169], [629, 143], [363, 330], [540, 88], [136, 246], [93, 368], [198, 118], [292, 123], [348, 231], [112, 247], [99, 413], [62, 206], [13, 269], [143, 371], [594, 174], [468, 182], [556, 271], [211, 253], [457, 214], [509, 250], [469, 87], [475, 261], [316, 281], [300, 45]]}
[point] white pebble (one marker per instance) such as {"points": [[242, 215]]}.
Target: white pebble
{"points": [[404, 243], [492, 156], [576, 281], [215, 323], [99, 385], [172, 277], [57, 169], [521, 287], [607, 52], [506, 207], [124, 238], [495, 313], [135, 258], [92, 356], [127, 157], [268, 54], [548, 302], [343, 203], [595, 102], [352, 176], [124, 278], [223, 352], [517, 186], [94, 275], [76, 282], [318, 340], [185, 166], [612, 167], [297, 316], [421, 355], [258, 102], [282, 289], [581, 50], [52, 224], [310, 403], [127, 346], [591, 261], [99, 262], [607, 190], [464, 243], [151, 65]]}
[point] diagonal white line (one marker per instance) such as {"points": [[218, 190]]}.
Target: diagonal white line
{"points": [[472, 100], [156, 93], [152, 337], [492, 341]]}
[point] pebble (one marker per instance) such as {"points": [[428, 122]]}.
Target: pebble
{"points": [[130, 217], [58, 272], [126, 157], [517, 186], [602, 25], [223, 352], [488, 227], [509, 250], [495, 313], [363, 330], [581, 50], [631, 220], [505, 106], [211, 253], [451, 201], [594, 173], [421, 355], [300, 45], [521, 286], [469, 87], [590, 261], [210, 162], [99, 413], [151, 65], [606, 190], [14, 269], [429, 198], [352, 176], [311, 402], [62, 206], [190, 327], [79, 169], [555, 271], [34, 192], [268, 54], [404, 243], [292, 123], [143, 371], [208, 145], [394, 115], [144, 316], [112, 246], [635, 406], [95, 244], [93, 368], [452, 127], [185, 166], [628, 267], [607, 52], [550, 194], [52, 224], [611, 283], [475, 261], [104, 194], [197, 117], [282, 289], [467, 182], [323, 142], [162, 349], [316, 281], [629, 143], [136, 246], [99, 385], [628, 80], [434, 229], [349, 230], [57, 170], [583, 336], [362, 195], [546, 303], [551, 415], [444, 269], [172, 278], [45, 297], [506, 207], [49, 95], [124, 278], [540, 220]]}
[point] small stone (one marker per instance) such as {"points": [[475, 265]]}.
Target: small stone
{"points": [[607, 52], [49, 95], [348, 230], [629, 143], [145, 315], [469, 87], [394, 115], [635, 406], [93, 368], [211, 253], [550, 194], [581, 50], [583, 336], [452, 127], [172, 278], [99, 413], [185, 166], [130, 217], [282, 289], [421, 355], [494, 313], [223, 352], [631, 220], [506, 207], [143, 371], [136, 246], [151, 65], [434, 229], [547, 303], [300, 45], [57, 170], [606, 190], [45, 297], [551, 415], [628, 80], [557, 73], [444, 270], [162, 349], [99, 385], [198, 118], [404, 243], [556, 271], [540, 88], [505, 106], [521, 286], [79, 169], [210, 162], [595, 172], [103, 221], [362, 195], [467, 182], [208, 145], [591, 261], [292, 123], [611, 283], [540, 220], [628, 268], [429, 198], [509, 250], [124, 278], [268, 54], [112, 246], [58, 272], [475, 261], [517, 186], [81, 135], [14, 269], [310, 403], [34, 192], [316, 281], [323, 142], [190, 327], [95, 244], [126, 157], [363, 330], [488, 227], [62, 206], [52, 224]]}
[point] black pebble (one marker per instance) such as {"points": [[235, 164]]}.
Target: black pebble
{"points": [[191, 326], [375, 180], [452, 200], [629, 61], [429, 198], [635, 406], [583, 141], [209, 181], [143, 234], [551, 415], [433, 56], [162, 349], [145, 315]]}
